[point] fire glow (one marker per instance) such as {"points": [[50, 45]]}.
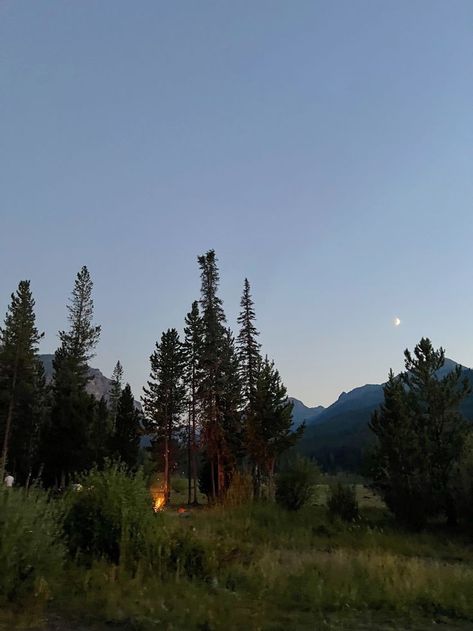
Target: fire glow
{"points": [[158, 499]]}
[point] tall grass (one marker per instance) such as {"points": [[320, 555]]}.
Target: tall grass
{"points": [[247, 566]]}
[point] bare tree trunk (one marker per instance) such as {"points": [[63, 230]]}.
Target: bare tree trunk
{"points": [[194, 446], [167, 490], [271, 489], [189, 458], [220, 476], [212, 477], [8, 424]]}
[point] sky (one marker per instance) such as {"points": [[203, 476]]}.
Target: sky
{"points": [[323, 149]]}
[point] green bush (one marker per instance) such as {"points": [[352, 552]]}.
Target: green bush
{"points": [[112, 517], [31, 547], [294, 486], [179, 485], [342, 503]]}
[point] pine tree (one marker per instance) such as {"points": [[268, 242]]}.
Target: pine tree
{"points": [[399, 470], [82, 338], [126, 438], [21, 384], [115, 391], [210, 388], [101, 433], [248, 346], [268, 427], [66, 445], [193, 344], [230, 403], [421, 435], [164, 398], [33, 414]]}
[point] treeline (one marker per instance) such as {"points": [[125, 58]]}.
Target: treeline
{"points": [[51, 432], [220, 394], [209, 393]]}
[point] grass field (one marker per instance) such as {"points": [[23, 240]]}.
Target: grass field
{"points": [[260, 567]]}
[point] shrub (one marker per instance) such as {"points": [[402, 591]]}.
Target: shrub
{"points": [[294, 486], [112, 517], [179, 485], [31, 547], [342, 502], [240, 490]]}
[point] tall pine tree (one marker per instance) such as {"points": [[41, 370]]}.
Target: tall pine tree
{"points": [[21, 385], [269, 426], [248, 345], [126, 437], [115, 391], [66, 444], [164, 398], [211, 385], [230, 404], [193, 344]]}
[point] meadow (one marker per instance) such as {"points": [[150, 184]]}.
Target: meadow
{"points": [[253, 566]]}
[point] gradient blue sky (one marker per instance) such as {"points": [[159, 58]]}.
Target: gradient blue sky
{"points": [[323, 149]]}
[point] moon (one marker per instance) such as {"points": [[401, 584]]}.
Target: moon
{"points": [[397, 321]]}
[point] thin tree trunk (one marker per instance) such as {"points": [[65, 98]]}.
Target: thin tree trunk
{"points": [[194, 446], [220, 476], [212, 477], [11, 407], [167, 493], [271, 490], [189, 458]]}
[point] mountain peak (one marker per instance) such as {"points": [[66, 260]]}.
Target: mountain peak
{"points": [[98, 385]]}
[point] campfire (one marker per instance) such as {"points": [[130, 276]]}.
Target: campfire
{"points": [[158, 498]]}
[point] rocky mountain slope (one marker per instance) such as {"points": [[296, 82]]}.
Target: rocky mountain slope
{"points": [[99, 385], [301, 413]]}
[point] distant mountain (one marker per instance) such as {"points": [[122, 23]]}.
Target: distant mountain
{"points": [[99, 385], [341, 434], [301, 413]]}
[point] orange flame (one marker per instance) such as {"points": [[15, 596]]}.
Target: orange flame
{"points": [[158, 499]]}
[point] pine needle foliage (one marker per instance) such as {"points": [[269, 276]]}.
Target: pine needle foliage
{"points": [[421, 434], [22, 387]]}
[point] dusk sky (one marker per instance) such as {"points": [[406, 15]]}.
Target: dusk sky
{"points": [[323, 149]]}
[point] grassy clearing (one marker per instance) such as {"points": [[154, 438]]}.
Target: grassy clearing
{"points": [[260, 567]]}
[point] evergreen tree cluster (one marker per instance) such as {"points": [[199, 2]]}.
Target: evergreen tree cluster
{"points": [[52, 432], [422, 439], [210, 395], [219, 394]]}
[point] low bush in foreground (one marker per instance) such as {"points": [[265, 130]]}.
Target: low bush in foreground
{"points": [[112, 517], [342, 503], [31, 546]]}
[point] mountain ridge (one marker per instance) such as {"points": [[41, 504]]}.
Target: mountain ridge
{"points": [[336, 436], [341, 435]]}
